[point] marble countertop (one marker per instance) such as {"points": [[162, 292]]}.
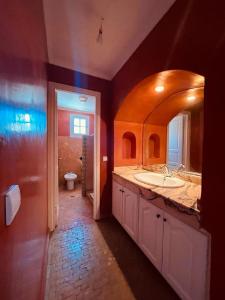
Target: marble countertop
{"points": [[184, 198]]}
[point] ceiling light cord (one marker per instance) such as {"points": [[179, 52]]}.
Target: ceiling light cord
{"points": [[100, 32]]}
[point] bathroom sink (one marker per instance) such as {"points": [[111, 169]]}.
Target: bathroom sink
{"points": [[159, 180]]}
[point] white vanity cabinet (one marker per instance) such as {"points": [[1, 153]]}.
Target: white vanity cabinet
{"points": [[150, 234], [177, 250], [130, 213], [117, 202], [125, 208], [184, 258]]}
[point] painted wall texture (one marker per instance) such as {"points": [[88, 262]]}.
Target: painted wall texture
{"points": [[127, 149], [23, 156], [191, 37]]}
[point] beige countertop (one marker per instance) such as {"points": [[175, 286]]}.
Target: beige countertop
{"points": [[184, 198]]}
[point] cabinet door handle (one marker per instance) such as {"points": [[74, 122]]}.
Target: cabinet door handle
{"points": [[158, 216], [164, 219]]}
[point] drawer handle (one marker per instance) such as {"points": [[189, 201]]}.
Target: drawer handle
{"points": [[158, 216]]}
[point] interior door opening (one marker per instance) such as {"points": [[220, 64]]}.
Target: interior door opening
{"points": [[76, 114], [176, 139], [74, 144]]}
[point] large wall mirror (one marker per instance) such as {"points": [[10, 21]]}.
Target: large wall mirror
{"points": [[185, 139], [160, 122], [173, 130]]}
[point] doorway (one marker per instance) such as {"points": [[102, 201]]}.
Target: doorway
{"points": [[74, 121], [178, 143], [185, 139]]}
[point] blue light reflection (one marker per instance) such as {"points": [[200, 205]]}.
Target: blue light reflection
{"points": [[21, 120]]}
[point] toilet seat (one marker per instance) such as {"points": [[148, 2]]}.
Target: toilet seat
{"points": [[70, 176]]}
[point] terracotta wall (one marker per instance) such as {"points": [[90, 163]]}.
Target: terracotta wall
{"points": [[191, 37], [70, 151], [154, 137], [122, 145], [142, 133], [70, 148], [158, 135], [74, 78], [64, 122], [23, 157]]}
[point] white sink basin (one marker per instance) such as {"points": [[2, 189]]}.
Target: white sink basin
{"points": [[159, 180]]}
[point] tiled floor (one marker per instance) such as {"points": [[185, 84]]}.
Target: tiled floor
{"points": [[97, 260]]}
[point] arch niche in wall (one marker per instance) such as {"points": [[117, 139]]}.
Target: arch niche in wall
{"points": [[154, 146], [129, 146]]}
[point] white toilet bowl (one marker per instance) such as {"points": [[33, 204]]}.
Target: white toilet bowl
{"points": [[70, 180]]}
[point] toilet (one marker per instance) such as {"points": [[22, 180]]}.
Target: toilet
{"points": [[70, 180]]}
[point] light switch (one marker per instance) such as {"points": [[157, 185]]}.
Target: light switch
{"points": [[105, 158], [12, 203]]}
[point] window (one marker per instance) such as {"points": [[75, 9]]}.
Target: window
{"points": [[22, 123], [79, 125]]}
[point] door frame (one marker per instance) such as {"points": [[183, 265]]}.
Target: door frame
{"points": [[52, 138], [186, 139], [186, 116]]}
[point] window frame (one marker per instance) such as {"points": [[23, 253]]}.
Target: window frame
{"points": [[72, 126]]}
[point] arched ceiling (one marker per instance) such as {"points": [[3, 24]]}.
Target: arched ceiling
{"points": [[143, 102], [176, 103]]}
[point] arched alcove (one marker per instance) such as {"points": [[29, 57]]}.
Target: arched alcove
{"points": [[147, 109], [154, 146], [143, 99], [129, 145]]}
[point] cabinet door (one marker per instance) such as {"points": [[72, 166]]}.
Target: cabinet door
{"points": [[184, 259], [130, 213], [117, 201], [151, 232]]}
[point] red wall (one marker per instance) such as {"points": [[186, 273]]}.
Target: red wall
{"points": [[196, 142], [64, 122], [23, 147], [191, 37], [74, 78]]}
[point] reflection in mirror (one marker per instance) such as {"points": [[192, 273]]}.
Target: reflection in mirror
{"points": [[173, 128], [185, 138]]}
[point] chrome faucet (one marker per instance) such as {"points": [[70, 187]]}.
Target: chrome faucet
{"points": [[170, 173], [167, 173], [180, 168]]}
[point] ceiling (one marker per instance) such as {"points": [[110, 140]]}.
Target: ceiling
{"points": [[174, 104], [72, 27], [143, 100], [71, 101]]}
